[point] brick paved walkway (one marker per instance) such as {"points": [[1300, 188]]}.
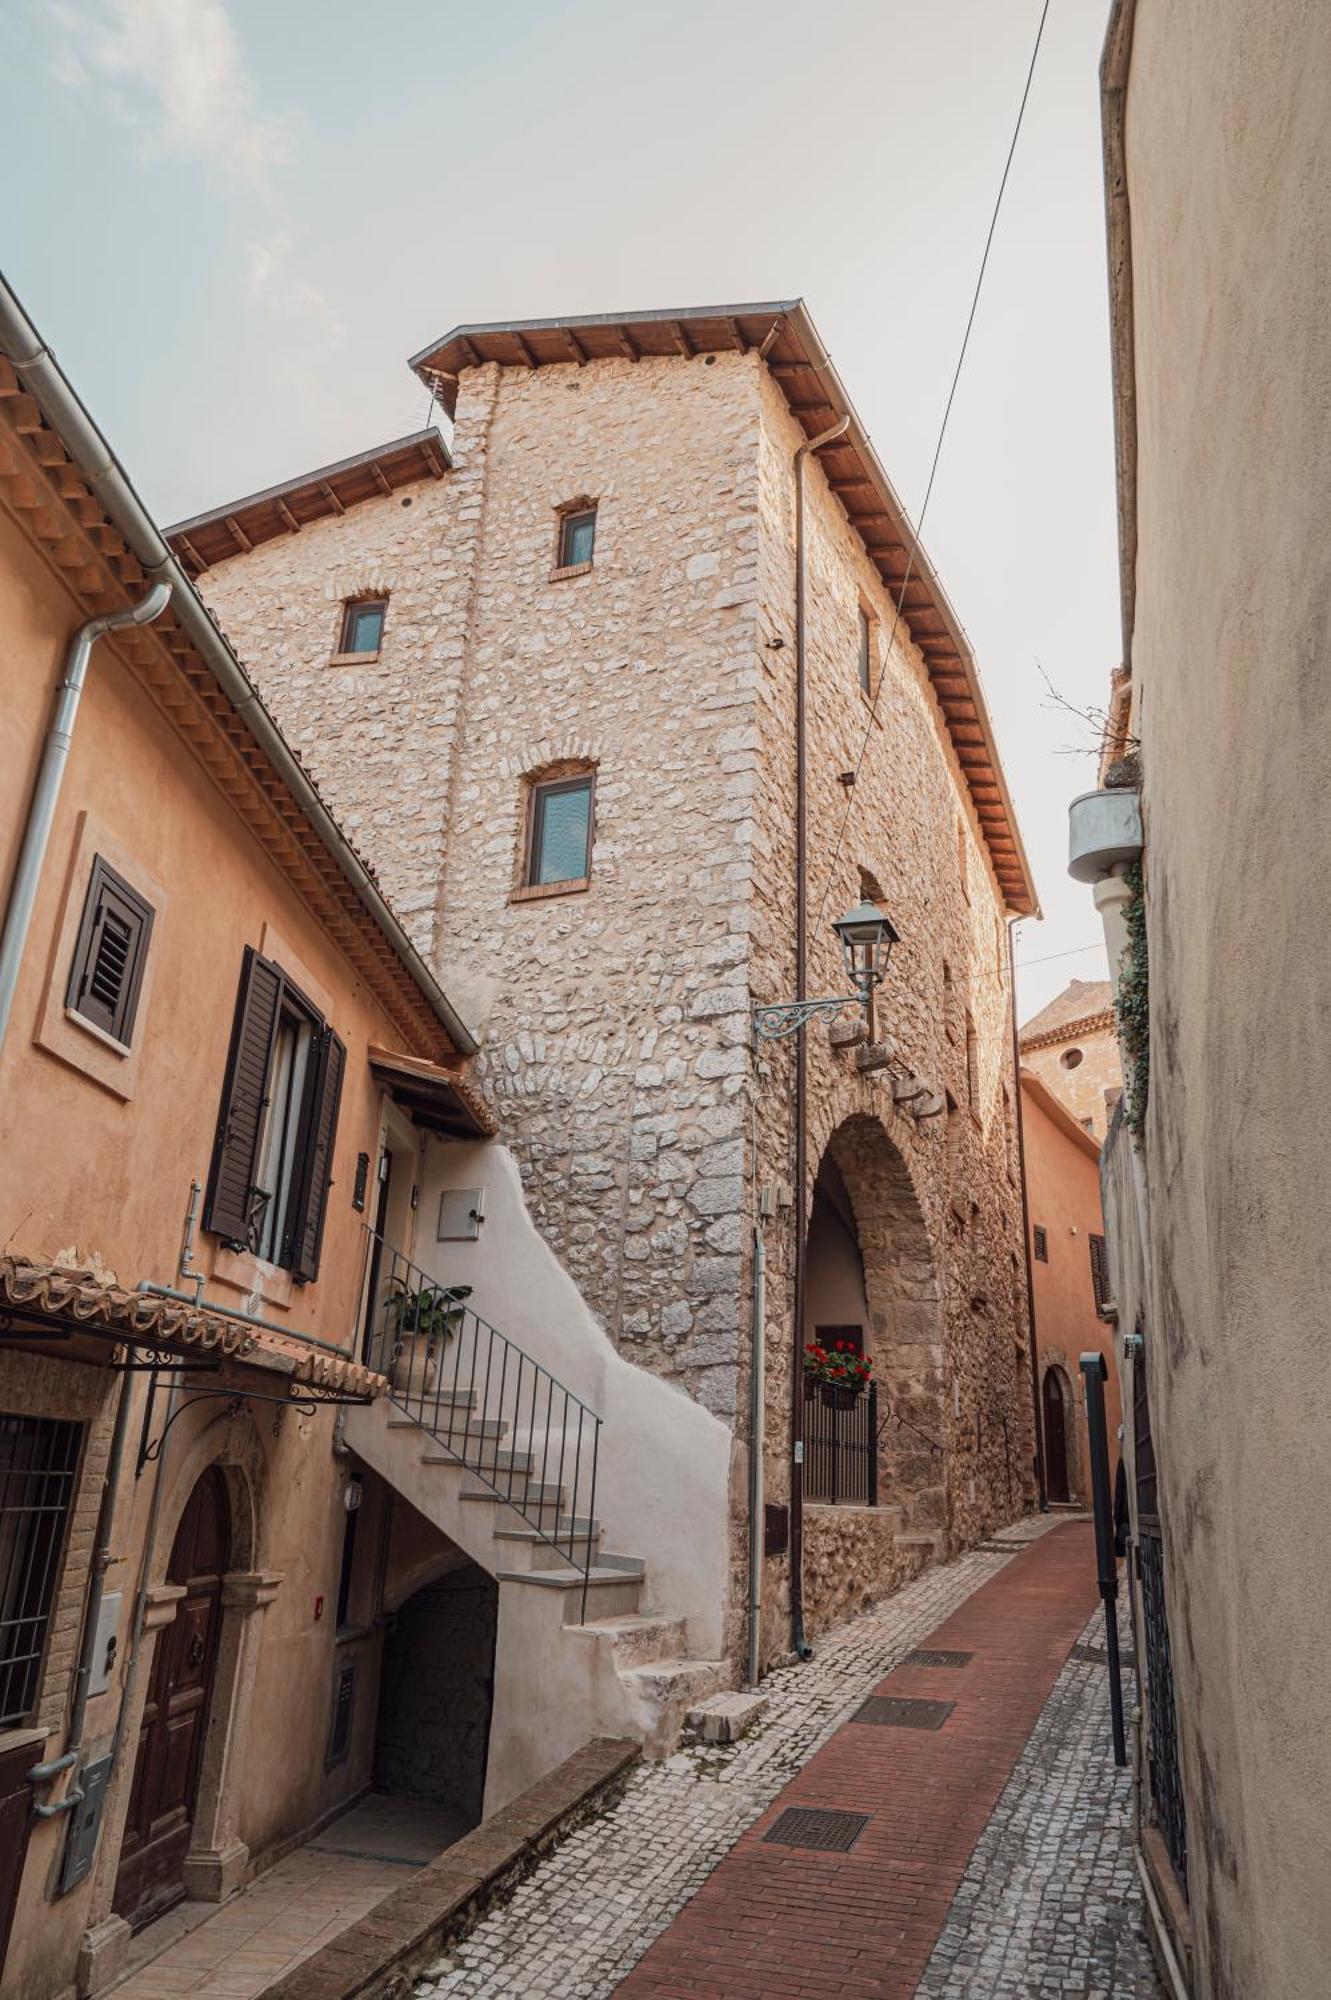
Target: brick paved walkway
{"points": [[778, 1919], [589, 1911]]}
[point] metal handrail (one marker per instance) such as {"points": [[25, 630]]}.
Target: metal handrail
{"points": [[485, 1400]]}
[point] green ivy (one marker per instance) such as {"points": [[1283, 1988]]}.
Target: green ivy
{"points": [[1133, 1007]]}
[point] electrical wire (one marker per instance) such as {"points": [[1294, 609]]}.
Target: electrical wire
{"points": [[1074, 951], [933, 469]]}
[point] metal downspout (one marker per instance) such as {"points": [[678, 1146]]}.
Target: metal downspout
{"points": [[1040, 1476], [801, 1645], [757, 1396], [50, 776]]}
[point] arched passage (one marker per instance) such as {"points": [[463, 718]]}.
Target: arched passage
{"points": [[1056, 1415], [871, 1281], [436, 1692]]}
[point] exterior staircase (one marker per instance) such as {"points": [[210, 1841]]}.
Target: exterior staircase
{"points": [[502, 1460]]}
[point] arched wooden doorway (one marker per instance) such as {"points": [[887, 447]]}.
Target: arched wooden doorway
{"points": [[175, 1716], [1056, 1398]]}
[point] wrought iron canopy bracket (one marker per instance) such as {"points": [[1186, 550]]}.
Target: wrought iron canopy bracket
{"points": [[307, 1401], [772, 1023]]}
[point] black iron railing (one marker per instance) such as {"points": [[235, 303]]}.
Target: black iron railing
{"points": [[500, 1414], [1166, 1777], [841, 1444]]}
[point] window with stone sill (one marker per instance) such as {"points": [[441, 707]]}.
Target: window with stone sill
{"points": [[866, 660], [362, 633], [557, 853], [576, 541]]}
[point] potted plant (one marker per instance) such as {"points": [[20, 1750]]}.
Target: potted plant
{"points": [[422, 1320], [839, 1373]]}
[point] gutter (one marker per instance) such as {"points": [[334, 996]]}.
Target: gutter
{"points": [[41, 376]]}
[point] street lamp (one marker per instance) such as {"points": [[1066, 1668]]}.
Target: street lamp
{"points": [[866, 938]]}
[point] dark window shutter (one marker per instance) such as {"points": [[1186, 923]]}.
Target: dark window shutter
{"points": [[307, 1232], [244, 1097], [110, 953]]}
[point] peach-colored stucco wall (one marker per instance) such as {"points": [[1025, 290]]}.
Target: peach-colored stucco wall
{"points": [[1063, 1193], [96, 1157]]}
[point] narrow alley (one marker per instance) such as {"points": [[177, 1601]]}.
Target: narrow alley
{"points": [[995, 1846]]}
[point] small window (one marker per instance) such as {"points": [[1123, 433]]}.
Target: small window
{"points": [[1071, 1058], [963, 860], [110, 954], [1100, 1272], [363, 625], [866, 652], [1041, 1244], [38, 1463], [577, 538], [559, 840]]}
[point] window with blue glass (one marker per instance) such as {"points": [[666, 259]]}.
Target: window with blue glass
{"points": [[577, 537], [363, 625], [559, 846]]}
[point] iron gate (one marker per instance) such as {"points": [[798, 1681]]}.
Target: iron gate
{"points": [[1157, 1666]]}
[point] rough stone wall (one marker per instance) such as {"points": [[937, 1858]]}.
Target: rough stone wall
{"points": [[616, 1020], [378, 736], [1082, 1089], [959, 1302]]}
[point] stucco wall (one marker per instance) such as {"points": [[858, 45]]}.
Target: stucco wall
{"points": [[1227, 153], [1086, 1087], [1063, 1190]]}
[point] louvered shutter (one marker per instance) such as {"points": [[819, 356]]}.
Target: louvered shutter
{"points": [[244, 1099], [1099, 1271], [308, 1226], [110, 953]]}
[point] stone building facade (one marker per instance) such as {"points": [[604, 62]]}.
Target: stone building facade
{"points": [[615, 1014]]}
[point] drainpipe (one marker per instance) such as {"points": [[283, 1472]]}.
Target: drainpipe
{"points": [[757, 1393], [41, 811], [803, 1649], [1041, 1479]]}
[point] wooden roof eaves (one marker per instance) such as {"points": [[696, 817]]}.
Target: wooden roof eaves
{"points": [[796, 352], [428, 442]]}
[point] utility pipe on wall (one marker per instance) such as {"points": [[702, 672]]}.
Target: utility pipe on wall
{"points": [[50, 776], [801, 1645], [757, 1398], [1040, 1477]]}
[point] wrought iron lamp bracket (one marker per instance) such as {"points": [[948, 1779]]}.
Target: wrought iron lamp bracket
{"points": [[772, 1023]]}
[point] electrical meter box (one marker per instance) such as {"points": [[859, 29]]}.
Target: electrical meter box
{"points": [[106, 1643]]}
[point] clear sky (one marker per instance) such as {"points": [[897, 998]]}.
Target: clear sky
{"points": [[235, 219]]}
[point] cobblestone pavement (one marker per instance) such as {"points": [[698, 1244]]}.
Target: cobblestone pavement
{"points": [[592, 1908], [1050, 1907]]}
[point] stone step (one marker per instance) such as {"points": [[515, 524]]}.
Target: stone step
{"points": [[526, 1547], [661, 1693], [638, 1641], [482, 1455], [724, 1718], [527, 1494], [932, 1541], [609, 1591], [444, 1399]]}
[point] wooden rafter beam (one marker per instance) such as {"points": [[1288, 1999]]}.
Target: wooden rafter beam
{"points": [[289, 521], [524, 350], [238, 534], [331, 497], [679, 334], [469, 354], [380, 476], [736, 333], [626, 343], [772, 335], [193, 554], [575, 347]]}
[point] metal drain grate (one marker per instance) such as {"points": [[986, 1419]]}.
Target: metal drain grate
{"points": [[809, 1826], [903, 1712], [925, 1656]]}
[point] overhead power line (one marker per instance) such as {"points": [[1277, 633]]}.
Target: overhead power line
{"points": [[938, 452]]}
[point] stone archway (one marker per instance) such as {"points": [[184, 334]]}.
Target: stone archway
{"points": [[903, 1331]]}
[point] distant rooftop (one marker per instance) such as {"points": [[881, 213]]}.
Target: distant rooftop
{"points": [[1081, 1000]]}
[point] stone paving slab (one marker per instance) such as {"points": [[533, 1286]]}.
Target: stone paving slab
{"points": [[586, 1916]]}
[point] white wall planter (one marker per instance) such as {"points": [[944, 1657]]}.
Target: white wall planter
{"points": [[1104, 831]]}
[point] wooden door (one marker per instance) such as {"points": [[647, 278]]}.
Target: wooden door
{"points": [[1055, 1399], [166, 1769], [15, 1821]]}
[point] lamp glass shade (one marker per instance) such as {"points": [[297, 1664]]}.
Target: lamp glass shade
{"points": [[867, 937]]}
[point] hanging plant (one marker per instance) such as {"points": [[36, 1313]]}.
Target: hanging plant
{"points": [[1132, 1006]]}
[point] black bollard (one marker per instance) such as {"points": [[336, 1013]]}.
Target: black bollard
{"points": [[1095, 1372]]}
